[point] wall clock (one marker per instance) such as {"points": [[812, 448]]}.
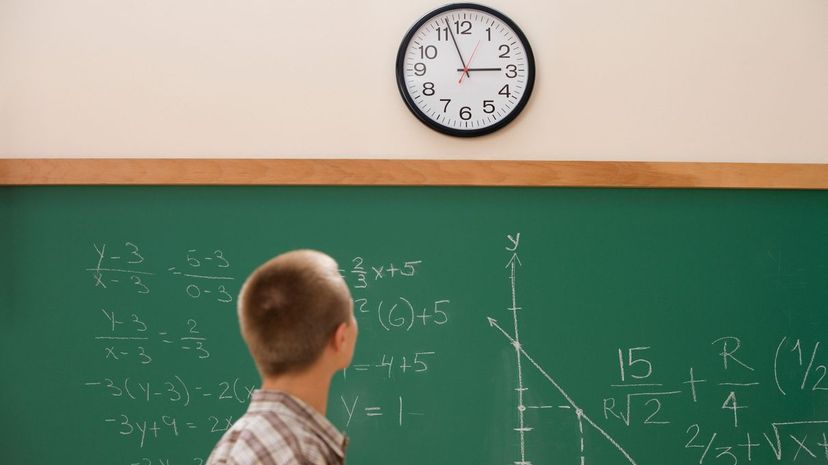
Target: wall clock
{"points": [[465, 70]]}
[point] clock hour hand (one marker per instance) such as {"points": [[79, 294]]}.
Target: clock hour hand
{"points": [[448, 26], [480, 69]]}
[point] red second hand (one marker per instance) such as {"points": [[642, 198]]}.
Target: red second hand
{"points": [[468, 65]]}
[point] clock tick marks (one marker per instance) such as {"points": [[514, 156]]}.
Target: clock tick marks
{"points": [[498, 80]]}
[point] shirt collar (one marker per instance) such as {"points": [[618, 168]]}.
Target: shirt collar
{"points": [[270, 400]]}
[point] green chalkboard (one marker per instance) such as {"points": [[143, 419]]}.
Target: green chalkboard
{"points": [[652, 326]]}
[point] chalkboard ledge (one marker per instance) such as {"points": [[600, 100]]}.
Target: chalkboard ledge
{"points": [[371, 172]]}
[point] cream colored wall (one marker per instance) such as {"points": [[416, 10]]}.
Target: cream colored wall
{"points": [[706, 80]]}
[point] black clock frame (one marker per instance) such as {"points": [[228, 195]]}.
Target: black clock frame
{"points": [[412, 105]]}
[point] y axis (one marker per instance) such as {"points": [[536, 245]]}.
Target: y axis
{"points": [[512, 265]]}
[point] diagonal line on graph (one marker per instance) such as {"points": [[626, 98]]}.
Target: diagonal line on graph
{"points": [[519, 347]]}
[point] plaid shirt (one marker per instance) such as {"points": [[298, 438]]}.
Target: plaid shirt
{"points": [[279, 429]]}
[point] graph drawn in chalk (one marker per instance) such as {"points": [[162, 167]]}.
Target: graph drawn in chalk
{"points": [[514, 339]]}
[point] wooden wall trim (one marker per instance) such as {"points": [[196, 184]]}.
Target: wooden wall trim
{"points": [[364, 172]]}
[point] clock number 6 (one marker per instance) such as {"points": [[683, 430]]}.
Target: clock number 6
{"points": [[465, 113]]}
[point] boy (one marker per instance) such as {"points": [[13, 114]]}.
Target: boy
{"points": [[296, 316]]}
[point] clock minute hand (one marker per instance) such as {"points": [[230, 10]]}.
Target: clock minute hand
{"points": [[448, 26]]}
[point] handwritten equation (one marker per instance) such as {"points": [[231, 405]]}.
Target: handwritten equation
{"points": [[361, 274], [796, 365], [174, 390], [412, 363], [161, 338], [411, 320], [166, 461], [397, 412], [128, 336], [205, 274], [143, 429], [401, 314], [727, 391]]}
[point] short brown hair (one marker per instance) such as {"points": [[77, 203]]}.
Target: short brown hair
{"points": [[288, 309]]}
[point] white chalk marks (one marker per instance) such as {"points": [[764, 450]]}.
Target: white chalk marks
{"points": [[521, 428], [514, 339]]}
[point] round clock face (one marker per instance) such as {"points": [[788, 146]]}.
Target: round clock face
{"points": [[465, 70]]}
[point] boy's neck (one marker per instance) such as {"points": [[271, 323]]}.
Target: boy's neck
{"points": [[311, 386]]}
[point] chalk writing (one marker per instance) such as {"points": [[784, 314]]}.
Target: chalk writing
{"points": [[782, 440], [142, 337], [148, 429], [417, 362], [361, 274], [173, 390], [129, 335], [401, 313], [167, 461], [356, 407], [205, 275], [643, 399]]}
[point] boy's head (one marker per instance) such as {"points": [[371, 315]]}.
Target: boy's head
{"points": [[292, 309]]}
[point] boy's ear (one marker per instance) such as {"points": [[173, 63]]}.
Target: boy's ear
{"points": [[340, 337]]}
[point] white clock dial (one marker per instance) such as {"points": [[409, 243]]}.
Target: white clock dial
{"points": [[465, 70]]}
